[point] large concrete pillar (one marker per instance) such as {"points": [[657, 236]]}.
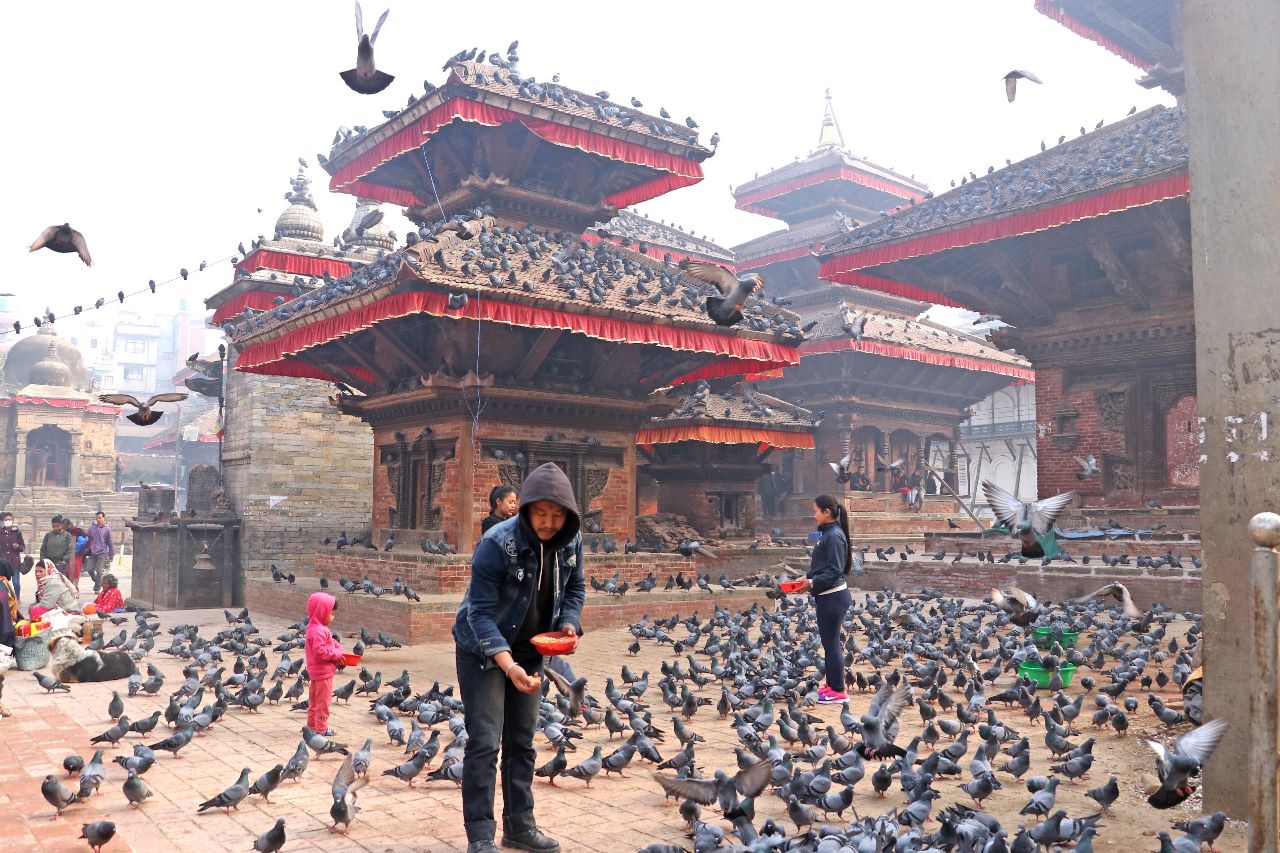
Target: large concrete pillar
{"points": [[1233, 75]]}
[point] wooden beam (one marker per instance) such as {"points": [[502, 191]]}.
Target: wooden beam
{"points": [[341, 372], [1127, 285], [1175, 238], [1148, 44], [403, 350], [606, 365], [359, 358], [537, 354]]}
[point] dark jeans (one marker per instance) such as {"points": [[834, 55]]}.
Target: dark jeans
{"points": [[497, 714], [830, 612]]}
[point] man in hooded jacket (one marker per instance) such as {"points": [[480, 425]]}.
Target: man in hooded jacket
{"points": [[526, 578]]}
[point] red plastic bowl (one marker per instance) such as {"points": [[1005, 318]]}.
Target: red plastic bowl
{"points": [[791, 586], [349, 659], [554, 643]]}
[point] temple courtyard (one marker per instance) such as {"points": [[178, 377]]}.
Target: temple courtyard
{"points": [[614, 814]]}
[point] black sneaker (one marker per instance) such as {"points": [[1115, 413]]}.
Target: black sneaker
{"points": [[486, 846]]}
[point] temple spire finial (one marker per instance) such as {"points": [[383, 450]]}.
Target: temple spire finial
{"points": [[830, 135]]}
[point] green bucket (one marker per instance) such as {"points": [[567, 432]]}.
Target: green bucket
{"points": [[1044, 638], [1041, 676]]}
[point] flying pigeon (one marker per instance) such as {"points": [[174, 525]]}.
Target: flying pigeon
{"points": [[841, 468], [145, 416], [726, 309], [1025, 520], [63, 238], [1088, 465], [1011, 82], [1175, 766], [365, 78]]}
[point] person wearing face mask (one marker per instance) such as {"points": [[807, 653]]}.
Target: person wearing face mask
{"points": [[11, 548]]}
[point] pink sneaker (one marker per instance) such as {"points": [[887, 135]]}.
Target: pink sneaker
{"points": [[827, 696]]}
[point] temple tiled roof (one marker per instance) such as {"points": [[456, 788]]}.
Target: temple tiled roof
{"points": [[900, 331], [660, 237], [738, 405], [1141, 148], [550, 270], [512, 86], [827, 158], [817, 232]]}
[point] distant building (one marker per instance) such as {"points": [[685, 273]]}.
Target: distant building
{"points": [[998, 443]]}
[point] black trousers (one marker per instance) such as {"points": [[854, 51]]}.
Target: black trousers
{"points": [[830, 613], [498, 716]]}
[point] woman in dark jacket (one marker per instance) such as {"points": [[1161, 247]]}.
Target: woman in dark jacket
{"points": [[503, 504], [526, 578], [830, 562], [11, 548]]}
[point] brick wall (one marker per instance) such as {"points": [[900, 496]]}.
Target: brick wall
{"points": [[432, 574], [284, 440]]}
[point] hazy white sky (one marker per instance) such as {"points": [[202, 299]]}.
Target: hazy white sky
{"points": [[158, 129]]}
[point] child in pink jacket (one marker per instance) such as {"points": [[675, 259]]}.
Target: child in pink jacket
{"points": [[324, 653]]}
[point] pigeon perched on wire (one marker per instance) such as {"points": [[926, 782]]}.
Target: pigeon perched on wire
{"points": [[365, 78], [726, 309]]}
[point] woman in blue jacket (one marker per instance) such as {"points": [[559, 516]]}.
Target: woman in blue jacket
{"points": [[832, 556], [526, 578]]}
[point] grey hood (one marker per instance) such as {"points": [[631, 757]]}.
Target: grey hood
{"points": [[548, 483]]}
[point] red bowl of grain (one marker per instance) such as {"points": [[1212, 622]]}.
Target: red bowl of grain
{"points": [[554, 643], [791, 586], [349, 659]]}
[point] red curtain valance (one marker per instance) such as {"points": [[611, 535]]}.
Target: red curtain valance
{"points": [[287, 262], [896, 288], [681, 171], [752, 354], [775, 258], [750, 201], [1050, 9], [963, 362], [1010, 226], [254, 299], [713, 434], [727, 367]]}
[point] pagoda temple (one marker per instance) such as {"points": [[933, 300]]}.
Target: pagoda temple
{"points": [[288, 457], [1085, 250], [500, 339], [888, 385]]}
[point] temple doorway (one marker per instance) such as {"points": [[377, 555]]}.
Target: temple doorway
{"points": [[48, 456], [865, 445]]}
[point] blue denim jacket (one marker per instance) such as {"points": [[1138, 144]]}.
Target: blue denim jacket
{"points": [[504, 571]]}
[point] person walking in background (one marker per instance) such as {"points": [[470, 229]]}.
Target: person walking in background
{"points": [[102, 550], [11, 548], [830, 562], [80, 548], [57, 546], [503, 504], [324, 653]]}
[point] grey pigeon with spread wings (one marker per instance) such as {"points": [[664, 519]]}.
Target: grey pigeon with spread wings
{"points": [[1025, 520], [345, 784], [723, 788], [365, 78], [146, 415], [726, 309], [1011, 82], [879, 724], [63, 238], [1176, 766]]}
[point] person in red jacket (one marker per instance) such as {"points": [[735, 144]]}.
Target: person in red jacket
{"points": [[324, 653]]}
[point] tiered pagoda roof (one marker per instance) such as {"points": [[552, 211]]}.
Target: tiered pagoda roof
{"points": [[735, 415], [1139, 161], [658, 239], [1145, 33]]}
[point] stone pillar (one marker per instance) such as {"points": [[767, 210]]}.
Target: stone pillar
{"points": [[1233, 73], [74, 461], [20, 467]]}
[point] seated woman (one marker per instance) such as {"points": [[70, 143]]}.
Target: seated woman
{"points": [[8, 605], [109, 600], [53, 590]]}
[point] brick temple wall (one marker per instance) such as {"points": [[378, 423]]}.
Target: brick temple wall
{"points": [[284, 440]]}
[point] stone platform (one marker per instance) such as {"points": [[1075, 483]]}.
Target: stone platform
{"points": [[1178, 588], [431, 620]]}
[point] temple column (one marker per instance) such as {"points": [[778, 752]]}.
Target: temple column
{"points": [[20, 467], [74, 461], [1232, 69]]}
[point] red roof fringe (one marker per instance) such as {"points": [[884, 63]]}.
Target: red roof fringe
{"points": [[681, 171], [748, 354], [963, 362], [1030, 222], [750, 201], [1051, 9], [256, 299], [287, 262], [714, 434]]}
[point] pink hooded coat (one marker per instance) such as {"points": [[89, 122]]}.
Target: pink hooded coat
{"points": [[324, 652]]}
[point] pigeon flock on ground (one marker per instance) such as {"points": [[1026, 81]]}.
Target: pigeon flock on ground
{"points": [[940, 729]]}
